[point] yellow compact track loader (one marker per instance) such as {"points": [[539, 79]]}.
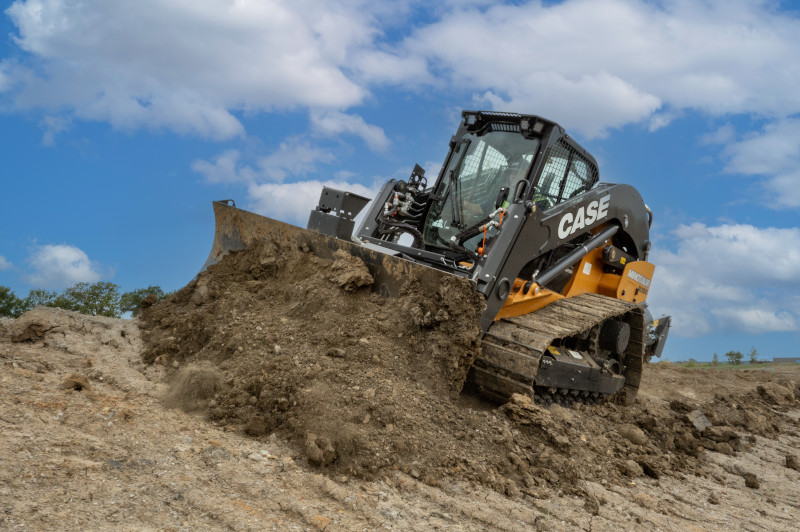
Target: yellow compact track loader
{"points": [[517, 209]]}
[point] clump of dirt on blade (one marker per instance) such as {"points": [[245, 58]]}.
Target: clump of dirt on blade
{"points": [[363, 385]]}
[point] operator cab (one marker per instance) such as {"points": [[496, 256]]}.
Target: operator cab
{"points": [[500, 168], [484, 168]]}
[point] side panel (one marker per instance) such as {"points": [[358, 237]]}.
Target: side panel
{"points": [[537, 233]]}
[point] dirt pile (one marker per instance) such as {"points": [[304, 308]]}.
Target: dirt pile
{"points": [[307, 350], [364, 385]]}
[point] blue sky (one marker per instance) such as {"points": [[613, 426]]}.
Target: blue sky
{"points": [[121, 121]]}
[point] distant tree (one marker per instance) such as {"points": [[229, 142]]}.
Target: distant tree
{"points": [[132, 301], [96, 299], [734, 357], [715, 359], [10, 304], [753, 356], [38, 296]]}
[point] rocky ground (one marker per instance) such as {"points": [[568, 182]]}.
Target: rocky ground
{"points": [[291, 398]]}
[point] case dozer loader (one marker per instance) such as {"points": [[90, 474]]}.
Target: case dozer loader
{"points": [[517, 209]]}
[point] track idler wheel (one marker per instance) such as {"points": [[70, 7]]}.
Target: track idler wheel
{"points": [[614, 336]]}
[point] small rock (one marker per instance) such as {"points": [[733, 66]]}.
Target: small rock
{"points": [[200, 296], [319, 450], [633, 434], [255, 456], [369, 393], [287, 464], [277, 349], [791, 462], [751, 481], [320, 522], [713, 499], [724, 448], [336, 352], [630, 468], [376, 359], [698, 419], [363, 341], [645, 501]]}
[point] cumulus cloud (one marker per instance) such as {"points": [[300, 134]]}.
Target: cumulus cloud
{"points": [[716, 278], [333, 123], [773, 153], [224, 168], [592, 103], [292, 202], [293, 157], [61, 265], [195, 67], [619, 61], [5, 264], [187, 66], [265, 176]]}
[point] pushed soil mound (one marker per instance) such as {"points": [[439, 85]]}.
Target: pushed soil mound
{"points": [[296, 345], [308, 351]]}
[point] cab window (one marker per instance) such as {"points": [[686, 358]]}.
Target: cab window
{"points": [[565, 175]]}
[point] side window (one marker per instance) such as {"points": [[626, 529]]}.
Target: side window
{"points": [[549, 185], [577, 179], [565, 175]]}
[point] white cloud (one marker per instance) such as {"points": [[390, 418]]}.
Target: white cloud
{"points": [[293, 157], [729, 278], [264, 176], [5, 264], [188, 66], [293, 202], [784, 189], [333, 123], [53, 125], [224, 169], [775, 154], [620, 61], [192, 67], [62, 265], [590, 104], [722, 135]]}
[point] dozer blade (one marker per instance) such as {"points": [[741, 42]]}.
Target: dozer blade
{"points": [[237, 229]]}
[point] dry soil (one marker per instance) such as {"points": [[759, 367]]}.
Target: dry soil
{"points": [[275, 391]]}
